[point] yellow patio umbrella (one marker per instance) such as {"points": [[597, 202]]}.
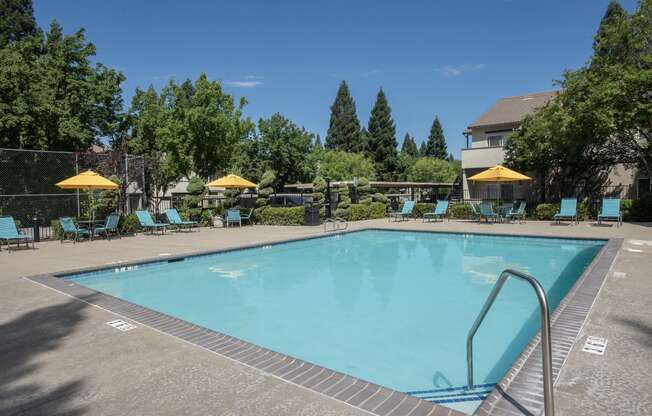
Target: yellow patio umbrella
{"points": [[499, 173], [232, 181], [89, 181]]}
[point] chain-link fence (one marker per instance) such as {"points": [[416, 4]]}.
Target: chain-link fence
{"points": [[28, 178]]}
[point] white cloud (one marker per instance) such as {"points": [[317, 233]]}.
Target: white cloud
{"points": [[244, 84], [254, 77], [454, 71]]}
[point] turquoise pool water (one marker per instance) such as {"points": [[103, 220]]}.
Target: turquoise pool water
{"points": [[390, 307]]}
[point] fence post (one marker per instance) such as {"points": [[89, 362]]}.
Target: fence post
{"points": [[77, 191], [127, 183]]}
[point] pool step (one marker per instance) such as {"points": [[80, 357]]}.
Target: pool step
{"points": [[454, 394]]}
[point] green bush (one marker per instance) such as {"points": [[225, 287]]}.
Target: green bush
{"points": [[281, 216], [421, 208], [344, 204], [626, 207], [57, 231], [378, 197], [206, 218], [129, 224], [460, 211], [546, 211], [265, 189], [641, 209], [377, 210], [359, 212]]}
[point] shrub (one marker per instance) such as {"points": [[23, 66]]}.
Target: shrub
{"points": [[206, 218], [281, 216], [582, 211], [359, 212], [129, 224], [344, 204], [460, 211], [421, 208], [265, 189], [364, 191], [57, 231], [640, 209], [378, 197], [377, 210], [546, 211]]}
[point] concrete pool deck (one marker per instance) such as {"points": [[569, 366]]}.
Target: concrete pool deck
{"points": [[59, 357]]}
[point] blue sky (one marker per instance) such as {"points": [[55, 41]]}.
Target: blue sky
{"points": [[451, 58]]}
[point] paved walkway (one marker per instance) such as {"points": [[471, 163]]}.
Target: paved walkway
{"points": [[58, 356]]}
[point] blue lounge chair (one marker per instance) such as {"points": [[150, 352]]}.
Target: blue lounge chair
{"points": [[516, 214], [611, 211], [248, 216], [110, 227], [475, 212], [233, 217], [9, 233], [404, 213], [487, 211], [147, 223], [175, 220], [567, 211], [439, 212], [70, 231]]}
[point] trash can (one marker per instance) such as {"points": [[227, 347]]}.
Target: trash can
{"points": [[311, 214]]}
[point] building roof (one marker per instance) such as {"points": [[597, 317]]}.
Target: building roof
{"points": [[510, 110]]}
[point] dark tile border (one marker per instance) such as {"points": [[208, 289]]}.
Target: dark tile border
{"points": [[521, 382]]}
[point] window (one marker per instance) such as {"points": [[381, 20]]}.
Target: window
{"points": [[496, 140]]}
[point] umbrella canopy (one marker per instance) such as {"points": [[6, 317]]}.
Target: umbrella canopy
{"points": [[499, 174], [87, 180], [231, 182]]}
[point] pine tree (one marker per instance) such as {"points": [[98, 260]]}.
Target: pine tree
{"points": [[344, 128], [423, 149], [610, 42], [364, 139], [16, 21], [382, 139], [409, 146], [317, 145], [436, 146]]}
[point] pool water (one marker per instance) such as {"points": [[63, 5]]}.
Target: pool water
{"points": [[389, 307]]}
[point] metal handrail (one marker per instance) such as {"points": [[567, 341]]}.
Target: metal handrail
{"points": [[546, 344]]}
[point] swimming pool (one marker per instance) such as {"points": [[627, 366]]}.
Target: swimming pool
{"points": [[390, 307]]}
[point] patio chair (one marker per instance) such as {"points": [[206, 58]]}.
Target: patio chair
{"points": [[475, 212], [175, 220], [9, 233], [233, 217], [71, 230], [567, 211], [147, 223], [248, 216], [487, 211], [110, 227], [611, 211], [439, 211], [404, 213], [517, 214]]}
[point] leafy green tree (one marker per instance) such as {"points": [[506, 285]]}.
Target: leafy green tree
{"points": [[286, 147], [16, 21], [342, 166], [409, 146], [52, 97], [430, 169], [436, 144], [344, 127], [248, 159], [382, 139], [317, 145]]}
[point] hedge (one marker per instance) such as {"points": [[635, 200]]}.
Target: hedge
{"points": [[359, 212], [421, 208], [460, 211], [280, 216], [546, 212], [637, 210]]}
